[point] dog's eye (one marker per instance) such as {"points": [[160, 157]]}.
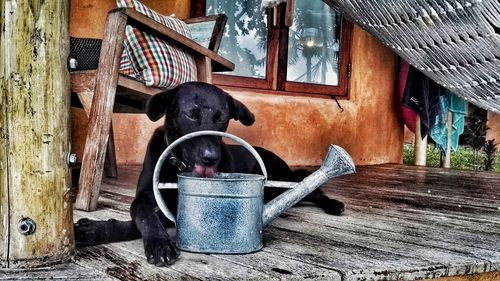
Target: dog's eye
{"points": [[191, 115], [220, 118]]}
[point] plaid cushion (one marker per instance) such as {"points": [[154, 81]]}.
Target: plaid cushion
{"points": [[126, 65], [154, 61]]}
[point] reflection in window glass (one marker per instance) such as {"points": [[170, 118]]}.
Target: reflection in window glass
{"points": [[313, 44], [245, 37]]}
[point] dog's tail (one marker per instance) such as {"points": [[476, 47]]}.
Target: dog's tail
{"points": [[92, 232]]}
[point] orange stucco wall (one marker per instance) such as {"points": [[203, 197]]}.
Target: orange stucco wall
{"points": [[298, 129], [87, 17], [494, 125]]}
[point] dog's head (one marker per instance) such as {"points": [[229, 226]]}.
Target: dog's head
{"points": [[196, 106]]}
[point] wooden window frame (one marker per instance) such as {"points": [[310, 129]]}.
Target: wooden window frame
{"points": [[277, 58]]}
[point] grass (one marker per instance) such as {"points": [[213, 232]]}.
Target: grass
{"points": [[464, 158]]}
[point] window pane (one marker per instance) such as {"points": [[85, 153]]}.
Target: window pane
{"points": [[313, 44], [245, 37]]}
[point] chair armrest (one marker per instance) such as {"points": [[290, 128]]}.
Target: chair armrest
{"points": [[160, 31]]}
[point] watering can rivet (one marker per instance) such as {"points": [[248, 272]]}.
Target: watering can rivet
{"points": [[26, 226]]}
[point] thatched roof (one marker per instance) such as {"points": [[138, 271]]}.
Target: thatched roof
{"points": [[455, 43]]}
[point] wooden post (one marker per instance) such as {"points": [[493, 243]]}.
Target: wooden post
{"points": [[34, 134], [420, 147], [446, 160]]}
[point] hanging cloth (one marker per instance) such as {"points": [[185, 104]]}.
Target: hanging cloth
{"points": [[409, 116], [458, 107], [421, 95], [439, 133]]}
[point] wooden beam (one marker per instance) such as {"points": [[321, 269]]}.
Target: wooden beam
{"points": [[35, 180]]}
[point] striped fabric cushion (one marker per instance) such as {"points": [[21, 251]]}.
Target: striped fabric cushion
{"points": [[126, 65], [151, 60]]}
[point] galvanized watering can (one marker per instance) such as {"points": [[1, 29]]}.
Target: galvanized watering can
{"points": [[226, 213]]}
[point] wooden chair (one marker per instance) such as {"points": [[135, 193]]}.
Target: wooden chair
{"points": [[104, 91]]}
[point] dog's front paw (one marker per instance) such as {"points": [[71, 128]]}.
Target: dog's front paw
{"points": [[160, 250], [331, 206], [89, 232]]}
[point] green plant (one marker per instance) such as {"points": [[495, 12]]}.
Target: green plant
{"points": [[490, 148], [463, 158], [475, 133]]}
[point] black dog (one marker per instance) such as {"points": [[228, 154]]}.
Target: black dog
{"points": [[188, 108]]}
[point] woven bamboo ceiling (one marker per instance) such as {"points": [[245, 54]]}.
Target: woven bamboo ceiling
{"points": [[455, 43]]}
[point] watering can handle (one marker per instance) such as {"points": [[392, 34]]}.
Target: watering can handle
{"points": [[166, 152]]}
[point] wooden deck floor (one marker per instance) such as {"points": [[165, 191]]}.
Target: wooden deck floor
{"points": [[401, 223]]}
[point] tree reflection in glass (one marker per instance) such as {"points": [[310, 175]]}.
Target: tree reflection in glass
{"points": [[313, 44], [245, 36]]}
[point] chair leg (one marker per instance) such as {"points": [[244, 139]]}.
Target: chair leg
{"points": [[100, 113], [110, 166], [93, 161], [204, 69]]}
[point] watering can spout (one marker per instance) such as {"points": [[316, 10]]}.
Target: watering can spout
{"points": [[337, 163]]}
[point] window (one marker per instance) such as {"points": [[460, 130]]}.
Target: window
{"points": [[309, 57]]}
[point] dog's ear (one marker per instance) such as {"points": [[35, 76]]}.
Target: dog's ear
{"points": [[238, 111], [157, 105]]}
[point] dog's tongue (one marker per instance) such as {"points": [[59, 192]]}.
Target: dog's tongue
{"points": [[201, 171]]}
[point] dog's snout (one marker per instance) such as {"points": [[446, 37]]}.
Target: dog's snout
{"points": [[209, 157]]}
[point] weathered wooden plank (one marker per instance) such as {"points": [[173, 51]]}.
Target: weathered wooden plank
{"points": [[411, 177], [358, 262], [329, 252], [417, 229], [34, 85], [122, 265], [449, 188], [452, 208], [268, 263], [199, 266], [282, 267], [430, 191], [409, 184], [397, 238], [68, 271], [459, 213], [401, 172], [456, 262]]}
